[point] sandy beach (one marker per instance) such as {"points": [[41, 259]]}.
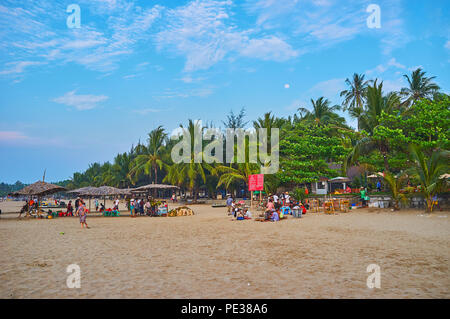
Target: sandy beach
{"points": [[210, 256]]}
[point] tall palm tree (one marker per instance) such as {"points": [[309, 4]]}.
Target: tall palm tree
{"points": [[322, 113], [150, 160], [355, 96], [428, 171], [376, 104], [419, 86], [189, 172]]}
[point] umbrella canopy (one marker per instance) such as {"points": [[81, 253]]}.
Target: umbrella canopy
{"points": [[444, 176], [40, 189], [82, 190], [102, 191], [377, 175], [153, 186]]}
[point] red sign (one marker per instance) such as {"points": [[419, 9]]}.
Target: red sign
{"points": [[256, 182]]}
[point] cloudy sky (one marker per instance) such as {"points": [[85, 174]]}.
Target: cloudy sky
{"points": [[72, 96]]}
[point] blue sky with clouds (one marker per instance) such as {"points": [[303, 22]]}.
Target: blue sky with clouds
{"points": [[69, 97]]}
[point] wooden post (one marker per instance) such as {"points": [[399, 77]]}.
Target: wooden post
{"points": [[260, 196], [251, 200]]}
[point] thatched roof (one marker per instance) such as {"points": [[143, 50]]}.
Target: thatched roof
{"points": [[103, 191], [39, 189], [82, 190], [153, 186]]}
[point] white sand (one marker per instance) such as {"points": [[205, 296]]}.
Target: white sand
{"points": [[210, 256]]}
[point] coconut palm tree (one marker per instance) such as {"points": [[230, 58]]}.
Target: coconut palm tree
{"points": [[189, 171], [240, 173], [150, 160], [322, 113], [419, 86], [376, 104], [428, 171], [395, 184], [355, 96]]}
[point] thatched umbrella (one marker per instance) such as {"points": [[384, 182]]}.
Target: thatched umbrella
{"points": [[149, 187], [39, 189], [102, 191]]}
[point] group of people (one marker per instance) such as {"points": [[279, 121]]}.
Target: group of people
{"points": [[144, 206], [272, 208]]}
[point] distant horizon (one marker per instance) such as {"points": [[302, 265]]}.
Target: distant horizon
{"points": [[70, 97]]}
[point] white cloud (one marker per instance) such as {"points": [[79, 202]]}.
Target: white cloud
{"points": [[18, 67], [328, 88], [447, 45], [80, 102], [202, 31]]}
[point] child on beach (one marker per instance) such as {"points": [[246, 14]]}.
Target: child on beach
{"points": [[83, 214]]}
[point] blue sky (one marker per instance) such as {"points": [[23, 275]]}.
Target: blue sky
{"points": [[70, 97]]}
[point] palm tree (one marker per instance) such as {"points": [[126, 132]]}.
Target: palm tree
{"points": [[395, 184], [419, 86], [230, 175], [376, 104], [355, 96], [428, 171], [150, 159], [322, 112], [189, 171]]}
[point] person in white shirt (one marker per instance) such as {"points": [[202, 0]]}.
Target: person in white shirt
{"points": [[116, 204], [287, 199]]}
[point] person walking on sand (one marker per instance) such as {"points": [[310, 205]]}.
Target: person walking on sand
{"points": [[83, 214]]}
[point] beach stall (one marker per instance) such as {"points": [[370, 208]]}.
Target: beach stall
{"points": [[338, 183], [38, 189]]}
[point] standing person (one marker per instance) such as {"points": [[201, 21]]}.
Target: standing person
{"points": [[70, 208], [141, 207], [379, 186], [287, 199], [174, 198], [77, 204], [116, 204], [229, 204], [275, 200], [96, 204], [82, 212], [363, 196], [132, 207]]}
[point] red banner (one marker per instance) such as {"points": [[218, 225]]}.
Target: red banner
{"points": [[256, 182]]}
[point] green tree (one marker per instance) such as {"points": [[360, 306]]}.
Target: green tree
{"points": [[355, 96], [150, 161], [428, 171], [376, 104], [419, 87], [322, 113]]}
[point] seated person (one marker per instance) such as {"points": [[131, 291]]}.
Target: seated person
{"points": [[275, 217], [247, 214], [102, 207]]}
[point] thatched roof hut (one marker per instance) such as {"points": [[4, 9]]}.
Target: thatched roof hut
{"points": [[153, 186], [39, 189]]}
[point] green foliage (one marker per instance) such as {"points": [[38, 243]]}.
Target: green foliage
{"points": [[299, 194], [305, 152]]}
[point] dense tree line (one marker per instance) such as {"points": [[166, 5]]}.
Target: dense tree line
{"points": [[397, 132]]}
